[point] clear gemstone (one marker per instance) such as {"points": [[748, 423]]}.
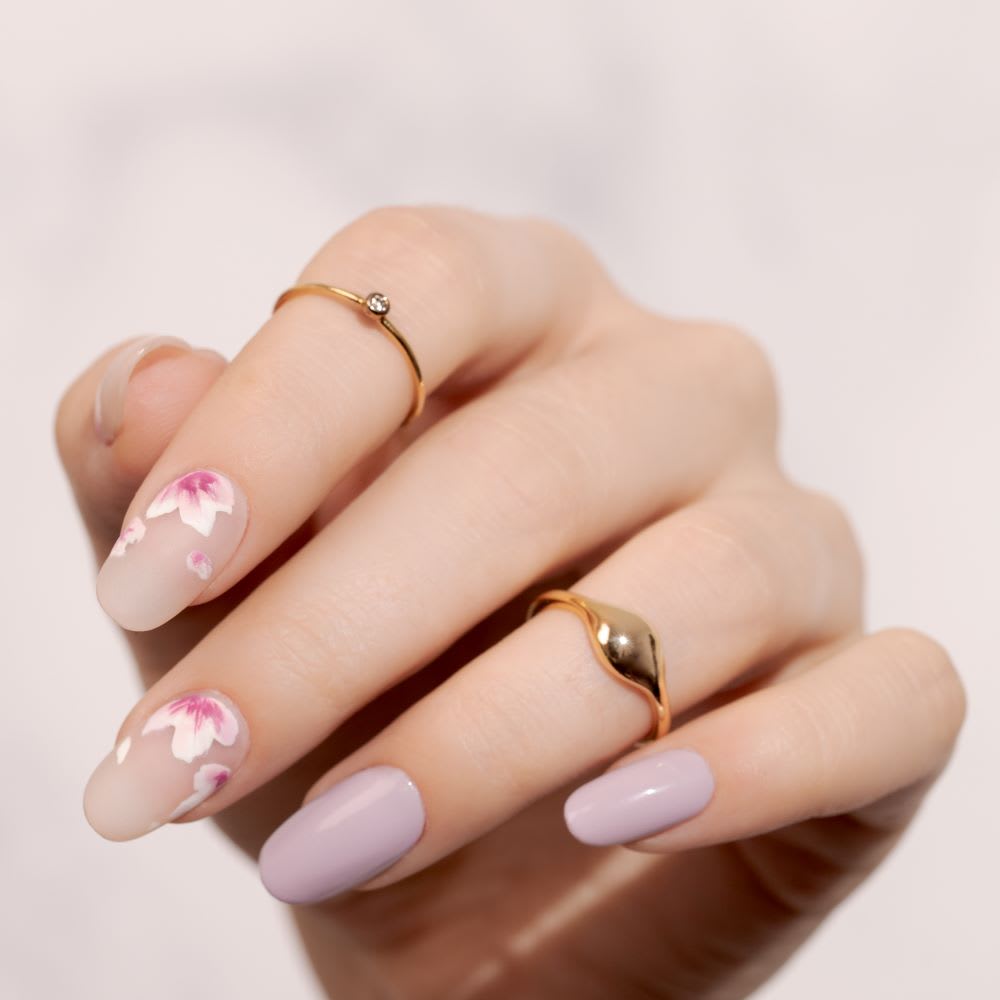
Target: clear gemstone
{"points": [[378, 303]]}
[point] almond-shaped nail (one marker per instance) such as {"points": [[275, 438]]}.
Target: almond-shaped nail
{"points": [[639, 799], [172, 549], [343, 837], [165, 766], [109, 403]]}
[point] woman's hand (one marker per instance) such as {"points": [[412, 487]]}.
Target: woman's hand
{"points": [[338, 610]]}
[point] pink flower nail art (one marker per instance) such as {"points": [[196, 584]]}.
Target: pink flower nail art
{"points": [[184, 753], [208, 779], [198, 721], [190, 530], [131, 533], [198, 496], [199, 564]]}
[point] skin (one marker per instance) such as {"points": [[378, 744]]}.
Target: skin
{"points": [[585, 442]]}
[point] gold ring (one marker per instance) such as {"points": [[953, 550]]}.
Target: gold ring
{"points": [[625, 645], [376, 304]]}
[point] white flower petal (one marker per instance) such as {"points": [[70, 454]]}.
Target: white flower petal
{"points": [[194, 731], [164, 502], [199, 564], [131, 533], [189, 743], [208, 779]]}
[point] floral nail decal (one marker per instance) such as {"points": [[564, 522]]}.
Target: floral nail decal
{"points": [[131, 533], [208, 779], [188, 531], [198, 496], [199, 564], [198, 721], [182, 754]]}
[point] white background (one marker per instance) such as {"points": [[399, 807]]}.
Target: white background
{"points": [[825, 174]]}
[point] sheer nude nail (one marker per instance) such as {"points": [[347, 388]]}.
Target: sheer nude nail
{"points": [[171, 549], [166, 765], [109, 403]]}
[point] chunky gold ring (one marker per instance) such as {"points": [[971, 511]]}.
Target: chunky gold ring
{"points": [[376, 304], [625, 645]]}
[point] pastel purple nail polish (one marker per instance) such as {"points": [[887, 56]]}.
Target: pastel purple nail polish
{"points": [[344, 837], [640, 799]]}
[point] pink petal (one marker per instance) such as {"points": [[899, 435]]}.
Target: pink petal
{"points": [[131, 533], [197, 721], [228, 728], [208, 779], [199, 564], [223, 494], [165, 501], [197, 513]]}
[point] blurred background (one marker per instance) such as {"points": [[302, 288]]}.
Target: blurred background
{"points": [[826, 175]]}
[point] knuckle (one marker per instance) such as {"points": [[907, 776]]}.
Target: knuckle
{"points": [[742, 366], [439, 242], [565, 245], [729, 563], [924, 669], [840, 541]]}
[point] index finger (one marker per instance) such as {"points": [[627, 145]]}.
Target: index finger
{"points": [[317, 388]]}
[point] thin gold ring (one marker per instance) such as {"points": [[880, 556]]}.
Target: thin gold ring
{"points": [[625, 645], [376, 304]]}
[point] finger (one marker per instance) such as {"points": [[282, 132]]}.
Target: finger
{"points": [[119, 415], [874, 719], [318, 388], [409, 567], [726, 583]]}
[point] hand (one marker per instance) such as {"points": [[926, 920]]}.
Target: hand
{"points": [[324, 605]]}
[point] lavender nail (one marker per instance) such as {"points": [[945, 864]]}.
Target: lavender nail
{"points": [[640, 799], [344, 837]]}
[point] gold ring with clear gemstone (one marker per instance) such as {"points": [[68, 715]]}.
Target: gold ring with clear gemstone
{"points": [[376, 304]]}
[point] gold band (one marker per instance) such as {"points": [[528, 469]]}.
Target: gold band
{"points": [[625, 645], [377, 305]]}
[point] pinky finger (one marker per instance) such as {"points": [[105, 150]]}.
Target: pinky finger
{"points": [[877, 717]]}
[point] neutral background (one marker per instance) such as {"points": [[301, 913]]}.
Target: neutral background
{"points": [[825, 174]]}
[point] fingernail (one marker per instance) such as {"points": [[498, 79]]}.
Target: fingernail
{"points": [[109, 403], [170, 551], [183, 753], [344, 837], [640, 799]]}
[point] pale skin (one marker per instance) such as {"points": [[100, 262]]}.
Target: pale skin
{"points": [[373, 614]]}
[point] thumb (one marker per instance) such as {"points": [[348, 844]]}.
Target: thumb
{"points": [[117, 418]]}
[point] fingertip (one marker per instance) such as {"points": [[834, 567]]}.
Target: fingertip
{"points": [[116, 419], [162, 392]]}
